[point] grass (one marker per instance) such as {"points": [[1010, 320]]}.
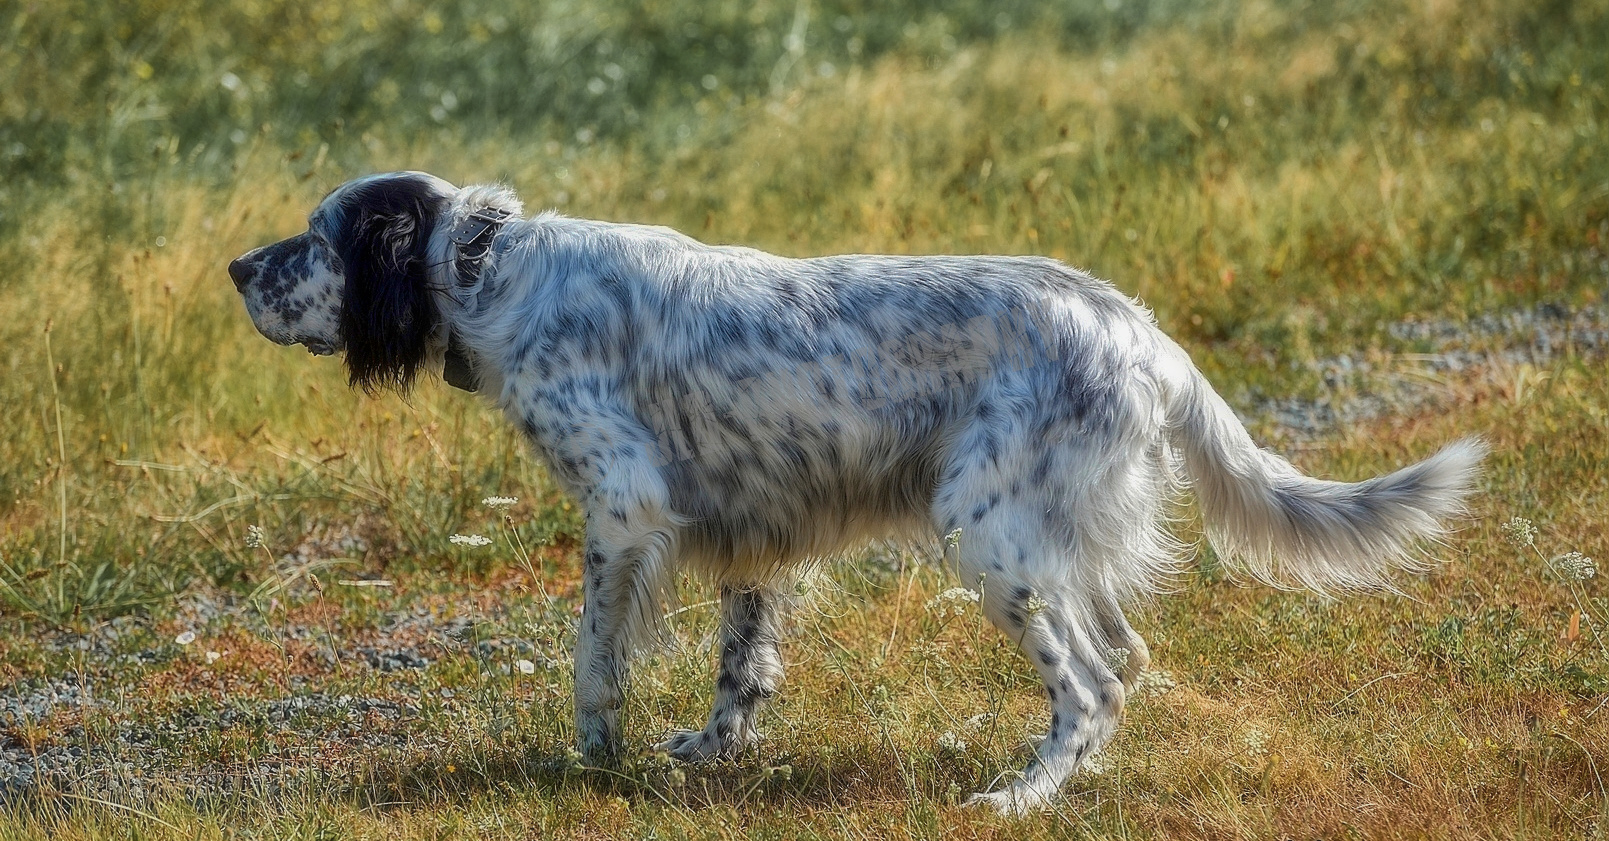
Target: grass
{"points": [[1280, 182]]}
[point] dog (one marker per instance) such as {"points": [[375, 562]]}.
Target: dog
{"points": [[738, 414]]}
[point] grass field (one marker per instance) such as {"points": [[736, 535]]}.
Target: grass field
{"points": [[1376, 227]]}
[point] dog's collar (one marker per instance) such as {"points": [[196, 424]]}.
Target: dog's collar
{"points": [[473, 236]]}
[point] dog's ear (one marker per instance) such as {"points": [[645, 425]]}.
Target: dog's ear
{"points": [[387, 314]]}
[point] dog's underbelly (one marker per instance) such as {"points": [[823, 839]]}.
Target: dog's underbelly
{"points": [[754, 506]]}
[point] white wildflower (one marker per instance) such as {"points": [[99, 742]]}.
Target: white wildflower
{"points": [[952, 602], [526, 667], [185, 638], [470, 540], [573, 760], [1256, 742], [1117, 659], [1154, 682], [500, 502], [213, 657], [1574, 566], [953, 539], [1520, 531], [951, 743], [1096, 764], [254, 537], [1036, 605]]}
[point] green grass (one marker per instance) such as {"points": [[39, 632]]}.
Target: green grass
{"points": [[1278, 181]]}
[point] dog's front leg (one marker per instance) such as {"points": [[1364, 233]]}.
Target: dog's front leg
{"points": [[610, 462], [751, 670], [627, 570], [602, 661]]}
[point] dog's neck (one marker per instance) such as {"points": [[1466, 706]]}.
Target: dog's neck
{"points": [[462, 252], [473, 237]]}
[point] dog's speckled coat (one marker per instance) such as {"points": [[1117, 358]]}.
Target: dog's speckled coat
{"points": [[738, 414]]}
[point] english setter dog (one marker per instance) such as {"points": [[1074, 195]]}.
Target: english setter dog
{"points": [[738, 414]]}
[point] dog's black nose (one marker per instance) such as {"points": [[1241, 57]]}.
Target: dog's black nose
{"points": [[240, 272]]}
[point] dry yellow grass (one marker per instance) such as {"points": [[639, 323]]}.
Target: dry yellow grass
{"points": [[1281, 183]]}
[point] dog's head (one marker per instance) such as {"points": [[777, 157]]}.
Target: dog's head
{"points": [[357, 281]]}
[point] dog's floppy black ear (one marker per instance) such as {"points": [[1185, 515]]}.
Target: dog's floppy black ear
{"points": [[386, 313]]}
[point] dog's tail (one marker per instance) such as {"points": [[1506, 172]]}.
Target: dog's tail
{"points": [[1267, 519]]}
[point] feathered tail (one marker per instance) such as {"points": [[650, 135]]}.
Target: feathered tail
{"points": [[1267, 519]]}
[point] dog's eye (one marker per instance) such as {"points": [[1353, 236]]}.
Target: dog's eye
{"points": [[319, 244]]}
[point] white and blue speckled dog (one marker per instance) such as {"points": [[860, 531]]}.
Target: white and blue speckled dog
{"points": [[739, 414]]}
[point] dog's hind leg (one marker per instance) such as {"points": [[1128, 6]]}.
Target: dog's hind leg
{"points": [[750, 672], [1031, 591], [1121, 635], [1086, 696]]}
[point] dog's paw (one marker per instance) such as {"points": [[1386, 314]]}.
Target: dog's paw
{"points": [[598, 756], [702, 746], [1011, 802], [597, 746], [690, 746]]}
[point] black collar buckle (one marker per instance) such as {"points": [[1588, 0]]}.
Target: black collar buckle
{"points": [[473, 235]]}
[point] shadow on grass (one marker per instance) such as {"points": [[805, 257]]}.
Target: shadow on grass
{"points": [[845, 778]]}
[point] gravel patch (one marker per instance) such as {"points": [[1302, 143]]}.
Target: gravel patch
{"points": [[138, 757], [1415, 380], [92, 734], [393, 659]]}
